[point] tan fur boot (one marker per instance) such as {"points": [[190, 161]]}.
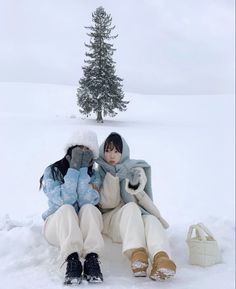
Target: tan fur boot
{"points": [[139, 262], [162, 267]]}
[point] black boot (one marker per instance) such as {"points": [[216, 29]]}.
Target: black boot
{"points": [[73, 270], [92, 271]]}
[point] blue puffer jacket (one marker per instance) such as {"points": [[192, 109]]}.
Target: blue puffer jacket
{"points": [[76, 189]]}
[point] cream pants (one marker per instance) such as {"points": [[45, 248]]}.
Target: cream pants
{"points": [[133, 230], [73, 232]]}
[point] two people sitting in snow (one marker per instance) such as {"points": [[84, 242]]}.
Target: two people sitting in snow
{"points": [[115, 200]]}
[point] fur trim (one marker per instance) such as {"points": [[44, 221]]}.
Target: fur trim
{"points": [[87, 138]]}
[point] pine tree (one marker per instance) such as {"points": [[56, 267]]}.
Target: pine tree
{"points": [[100, 89]]}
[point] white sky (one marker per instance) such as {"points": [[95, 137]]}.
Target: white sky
{"points": [[164, 46]]}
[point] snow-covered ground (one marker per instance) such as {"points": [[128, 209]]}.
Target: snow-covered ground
{"points": [[189, 142]]}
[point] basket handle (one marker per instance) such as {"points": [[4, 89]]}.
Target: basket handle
{"points": [[190, 231], [199, 232], [206, 230]]}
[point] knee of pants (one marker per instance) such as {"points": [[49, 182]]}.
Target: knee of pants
{"points": [[87, 208], [132, 207], [66, 209], [152, 220]]}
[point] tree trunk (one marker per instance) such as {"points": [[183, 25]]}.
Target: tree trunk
{"points": [[99, 117]]}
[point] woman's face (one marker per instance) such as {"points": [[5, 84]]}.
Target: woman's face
{"points": [[112, 156]]}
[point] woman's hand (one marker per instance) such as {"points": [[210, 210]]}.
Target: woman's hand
{"points": [[87, 158], [134, 178], [75, 159]]}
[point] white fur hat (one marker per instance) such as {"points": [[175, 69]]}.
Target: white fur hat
{"points": [[87, 138]]}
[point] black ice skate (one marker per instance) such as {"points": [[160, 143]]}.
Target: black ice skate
{"points": [[73, 270], [92, 271]]}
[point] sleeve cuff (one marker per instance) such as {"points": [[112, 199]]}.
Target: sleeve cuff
{"points": [[83, 171]]}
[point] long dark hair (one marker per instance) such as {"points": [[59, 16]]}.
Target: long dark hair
{"points": [[62, 166], [113, 141]]}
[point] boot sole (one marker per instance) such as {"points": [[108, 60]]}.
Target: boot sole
{"points": [[90, 279], [140, 274], [73, 282]]}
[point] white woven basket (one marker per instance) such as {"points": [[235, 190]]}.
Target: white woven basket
{"points": [[203, 248]]}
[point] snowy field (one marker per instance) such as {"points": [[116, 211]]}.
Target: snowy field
{"points": [[189, 142]]}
